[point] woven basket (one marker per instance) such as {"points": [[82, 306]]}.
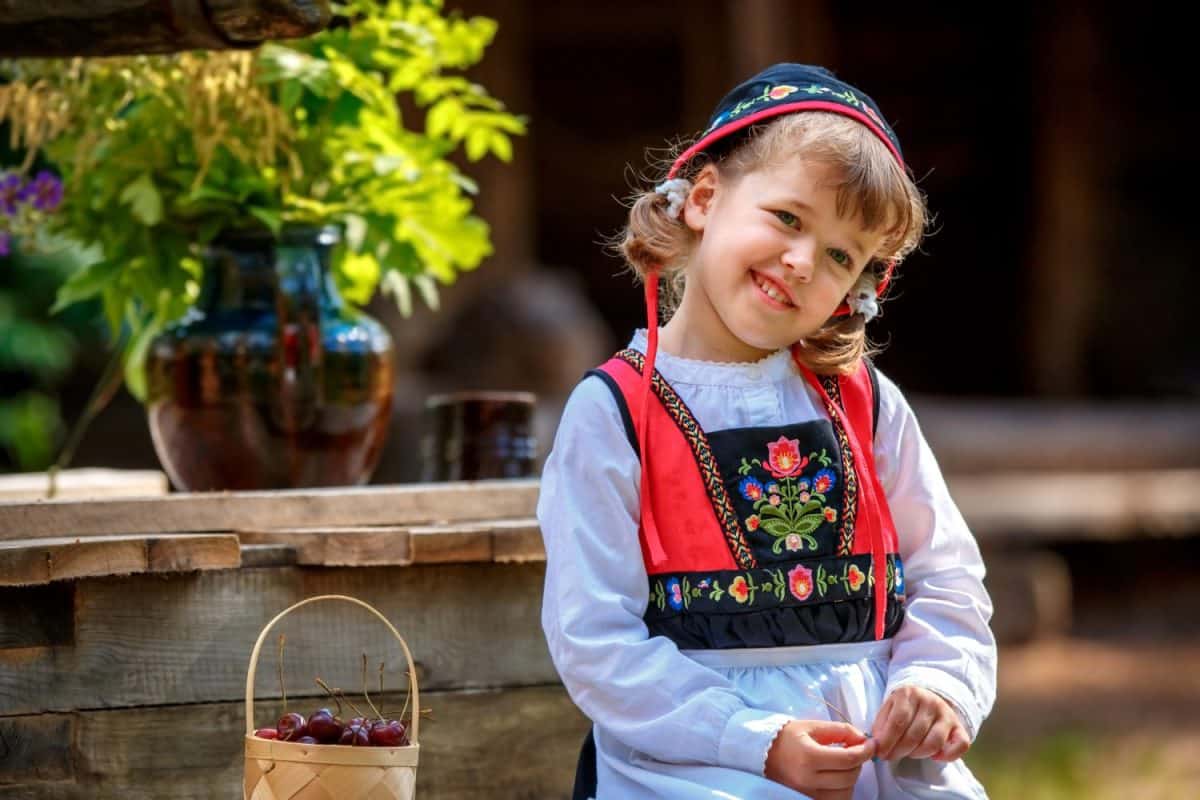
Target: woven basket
{"points": [[278, 770]]}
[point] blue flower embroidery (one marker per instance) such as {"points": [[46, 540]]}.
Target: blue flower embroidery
{"points": [[751, 488], [899, 577], [824, 481], [674, 594]]}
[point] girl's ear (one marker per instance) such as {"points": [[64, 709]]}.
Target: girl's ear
{"points": [[699, 204]]}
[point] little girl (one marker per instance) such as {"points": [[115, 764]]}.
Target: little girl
{"points": [[757, 584]]}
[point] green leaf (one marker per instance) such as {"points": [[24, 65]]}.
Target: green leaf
{"points": [[777, 527], [85, 283], [144, 201], [268, 217], [135, 357], [396, 285], [428, 289], [502, 147]]}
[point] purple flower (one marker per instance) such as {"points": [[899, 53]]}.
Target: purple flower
{"points": [[46, 191], [4, 242], [10, 193]]}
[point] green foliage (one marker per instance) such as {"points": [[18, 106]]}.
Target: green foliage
{"points": [[159, 154]]}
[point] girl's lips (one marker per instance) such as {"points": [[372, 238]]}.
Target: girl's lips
{"points": [[758, 278]]}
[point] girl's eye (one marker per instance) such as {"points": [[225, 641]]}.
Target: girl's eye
{"points": [[841, 257], [787, 218]]}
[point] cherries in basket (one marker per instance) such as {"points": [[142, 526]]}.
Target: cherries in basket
{"points": [[324, 726]]}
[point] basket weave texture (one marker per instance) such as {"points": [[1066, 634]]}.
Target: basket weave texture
{"points": [[276, 770]]}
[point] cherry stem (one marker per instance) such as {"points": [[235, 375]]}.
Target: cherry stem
{"points": [[365, 695], [381, 689], [325, 686], [282, 690], [349, 702]]}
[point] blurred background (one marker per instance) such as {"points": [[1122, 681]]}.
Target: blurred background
{"points": [[1043, 332]]}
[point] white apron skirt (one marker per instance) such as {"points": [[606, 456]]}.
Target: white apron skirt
{"points": [[851, 677]]}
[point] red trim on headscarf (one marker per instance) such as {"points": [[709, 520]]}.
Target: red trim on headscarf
{"points": [[775, 111]]}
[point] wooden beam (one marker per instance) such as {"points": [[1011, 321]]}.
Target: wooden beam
{"points": [[119, 27], [37, 561], [79, 484], [1062, 506], [229, 511], [510, 743], [186, 638]]}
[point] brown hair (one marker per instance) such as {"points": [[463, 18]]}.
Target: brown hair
{"points": [[872, 186]]}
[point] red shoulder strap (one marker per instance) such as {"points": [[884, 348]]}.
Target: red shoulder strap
{"points": [[687, 530], [874, 530]]}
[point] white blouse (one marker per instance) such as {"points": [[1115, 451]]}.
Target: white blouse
{"points": [[643, 690]]}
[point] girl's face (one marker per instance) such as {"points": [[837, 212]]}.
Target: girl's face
{"points": [[773, 261]]}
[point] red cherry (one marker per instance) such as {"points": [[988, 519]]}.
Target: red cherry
{"points": [[267, 733], [325, 727], [389, 733], [291, 727], [355, 735]]}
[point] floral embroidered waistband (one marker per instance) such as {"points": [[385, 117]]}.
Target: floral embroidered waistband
{"points": [[792, 583]]}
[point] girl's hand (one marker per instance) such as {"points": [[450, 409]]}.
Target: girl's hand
{"points": [[917, 723], [819, 759]]}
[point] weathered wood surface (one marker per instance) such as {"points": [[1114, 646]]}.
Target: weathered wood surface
{"points": [[37, 561], [186, 638], [115, 27], [1085, 505], [515, 743], [409, 504], [1013, 505], [87, 483]]}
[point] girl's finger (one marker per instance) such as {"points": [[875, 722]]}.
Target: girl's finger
{"points": [[890, 723], [918, 728], [827, 732], [957, 745], [935, 740]]}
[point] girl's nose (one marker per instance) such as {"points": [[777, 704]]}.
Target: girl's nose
{"points": [[798, 258]]}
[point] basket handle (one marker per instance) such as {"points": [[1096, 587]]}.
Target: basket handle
{"points": [[262, 637]]}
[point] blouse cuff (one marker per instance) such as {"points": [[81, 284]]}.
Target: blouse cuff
{"points": [[946, 686], [747, 739]]}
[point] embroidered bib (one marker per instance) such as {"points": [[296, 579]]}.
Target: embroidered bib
{"points": [[763, 528]]}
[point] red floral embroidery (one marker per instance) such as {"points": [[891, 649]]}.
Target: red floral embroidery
{"points": [[784, 460], [855, 577], [739, 589], [800, 582], [830, 514], [752, 522]]}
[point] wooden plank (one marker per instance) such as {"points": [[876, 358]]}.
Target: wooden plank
{"points": [[186, 637], [499, 540], [409, 504], [514, 743], [119, 27], [79, 484], [268, 555], [36, 749], [448, 544], [1080, 505], [37, 616], [360, 546], [38, 561], [517, 541]]}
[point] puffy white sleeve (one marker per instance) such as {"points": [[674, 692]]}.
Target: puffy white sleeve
{"points": [[944, 644], [639, 689]]}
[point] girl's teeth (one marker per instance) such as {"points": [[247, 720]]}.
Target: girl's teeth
{"points": [[773, 293]]}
